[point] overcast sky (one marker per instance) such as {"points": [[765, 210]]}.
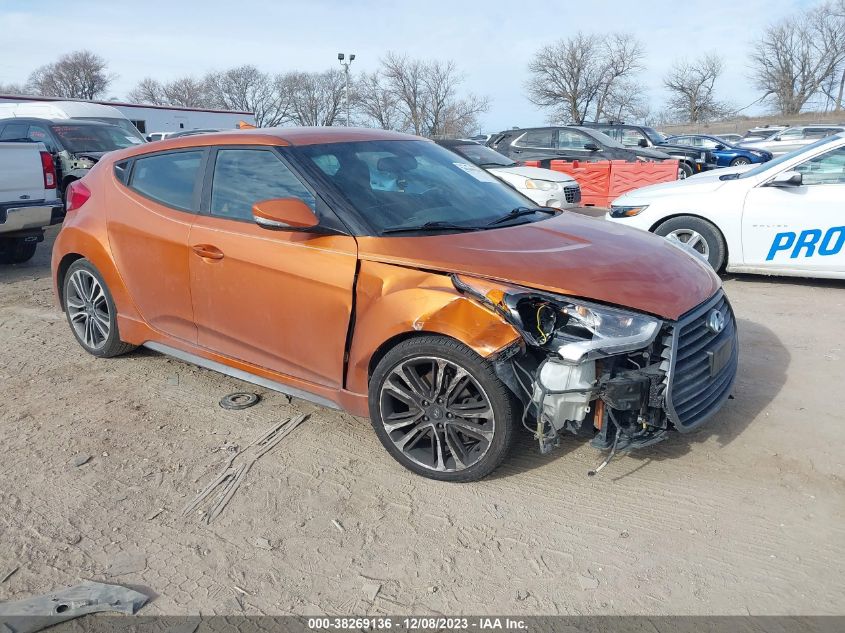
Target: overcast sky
{"points": [[492, 41]]}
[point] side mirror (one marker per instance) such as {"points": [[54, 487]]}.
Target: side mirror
{"points": [[284, 214], [719, 147], [787, 179], [642, 143], [777, 138], [592, 147]]}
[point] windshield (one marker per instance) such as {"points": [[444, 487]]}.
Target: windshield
{"points": [[656, 137], [77, 138], [410, 183], [763, 167], [482, 156], [124, 124]]}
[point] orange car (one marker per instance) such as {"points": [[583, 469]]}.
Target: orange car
{"points": [[382, 274]]}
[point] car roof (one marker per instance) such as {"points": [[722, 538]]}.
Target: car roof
{"points": [[455, 142], [35, 119], [269, 136]]}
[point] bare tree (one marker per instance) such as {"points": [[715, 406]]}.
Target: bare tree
{"points": [[426, 97], [78, 75], [575, 77], [797, 56], [625, 101], [314, 98], [13, 89], [248, 89], [623, 56], [374, 102], [692, 88], [148, 90]]}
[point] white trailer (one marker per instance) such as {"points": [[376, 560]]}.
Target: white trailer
{"points": [[146, 118]]}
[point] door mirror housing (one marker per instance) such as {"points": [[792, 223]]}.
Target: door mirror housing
{"points": [[592, 147], [642, 143], [777, 138], [719, 147], [787, 179], [284, 214]]}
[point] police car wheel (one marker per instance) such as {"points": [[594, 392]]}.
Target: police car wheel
{"points": [[699, 235]]}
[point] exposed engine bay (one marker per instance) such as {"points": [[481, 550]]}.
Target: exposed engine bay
{"points": [[583, 362]]}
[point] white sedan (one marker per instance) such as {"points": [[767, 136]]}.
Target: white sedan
{"points": [[784, 217], [544, 187]]}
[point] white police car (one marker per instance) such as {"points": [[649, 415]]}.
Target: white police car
{"points": [[784, 217]]}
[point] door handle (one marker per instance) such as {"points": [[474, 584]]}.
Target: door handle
{"points": [[207, 251]]}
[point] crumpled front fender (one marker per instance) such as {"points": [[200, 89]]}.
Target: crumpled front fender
{"points": [[395, 301]]}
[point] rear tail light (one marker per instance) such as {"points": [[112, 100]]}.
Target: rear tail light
{"points": [[49, 170], [77, 195]]}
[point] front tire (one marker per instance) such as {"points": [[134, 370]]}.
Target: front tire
{"points": [[698, 234], [91, 312], [440, 410], [684, 170], [740, 160]]}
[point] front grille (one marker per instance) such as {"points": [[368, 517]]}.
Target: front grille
{"points": [[572, 193], [694, 390]]}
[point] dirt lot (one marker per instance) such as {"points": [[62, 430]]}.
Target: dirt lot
{"points": [[745, 516]]}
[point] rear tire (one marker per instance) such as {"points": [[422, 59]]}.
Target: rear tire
{"points": [[91, 312], [440, 410], [16, 250], [700, 234]]}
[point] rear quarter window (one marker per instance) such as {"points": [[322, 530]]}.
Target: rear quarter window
{"points": [[168, 178]]}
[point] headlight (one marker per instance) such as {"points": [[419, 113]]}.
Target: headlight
{"points": [[542, 185], [622, 211], [577, 330]]}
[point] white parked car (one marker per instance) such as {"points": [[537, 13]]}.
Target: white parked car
{"points": [[784, 217], [791, 138], [544, 187], [28, 199]]}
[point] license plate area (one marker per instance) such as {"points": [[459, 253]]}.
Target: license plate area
{"points": [[719, 357]]}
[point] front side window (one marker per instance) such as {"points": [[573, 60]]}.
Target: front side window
{"points": [[632, 138], [536, 138], [827, 169], [402, 184], [791, 133], [168, 178], [243, 177]]}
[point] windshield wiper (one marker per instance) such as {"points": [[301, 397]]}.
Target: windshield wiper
{"points": [[519, 212], [435, 225], [496, 165]]}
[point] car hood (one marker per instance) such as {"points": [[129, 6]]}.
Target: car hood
{"points": [[703, 183], [649, 153], [536, 173], [568, 254]]}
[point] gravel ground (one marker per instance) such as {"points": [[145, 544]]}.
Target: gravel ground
{"points": [[744, 516]]}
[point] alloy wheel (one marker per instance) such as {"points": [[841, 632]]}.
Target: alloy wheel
{"points": [[436, 414], [88, 309], [691, 239]]}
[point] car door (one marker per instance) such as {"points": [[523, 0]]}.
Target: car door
{"points": [[801, 228], [276, 299], [148, 225]]}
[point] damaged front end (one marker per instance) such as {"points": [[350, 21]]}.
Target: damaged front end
{"points": [[632, 375]]}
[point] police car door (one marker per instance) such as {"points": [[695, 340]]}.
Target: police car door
{"points": [[799, 228]]}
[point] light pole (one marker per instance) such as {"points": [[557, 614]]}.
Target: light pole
{"points": [[340, 58]]}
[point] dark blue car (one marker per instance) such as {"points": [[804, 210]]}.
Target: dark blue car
{"points": [[726, 154]]}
